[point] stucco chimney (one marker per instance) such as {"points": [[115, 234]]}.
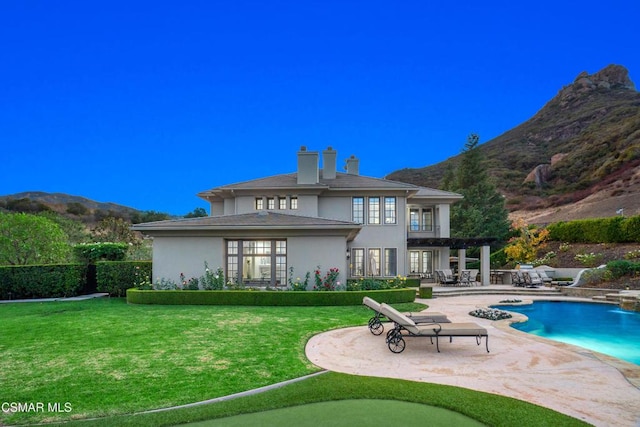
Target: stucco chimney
{"points": [[353, 165], [329, 163], [307, 166]]}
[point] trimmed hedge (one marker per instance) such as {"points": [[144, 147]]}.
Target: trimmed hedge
{"points": [[107, 251], [115, 277], [620, 268], [267, 298], [599, 230], [42, 281]]}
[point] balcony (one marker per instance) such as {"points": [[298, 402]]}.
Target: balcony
{"points": [[415, 231]]}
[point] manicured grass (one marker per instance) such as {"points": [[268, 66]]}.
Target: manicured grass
{"points": [[489, 409], [347, 413], [106, 358]]}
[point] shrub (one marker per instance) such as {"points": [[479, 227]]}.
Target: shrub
{"points": [[588, 260], [115, 277], [370, 283], [632, 254], [631, 228], [42, 281], [327, 283], [298, 284], [597, 230], [212, 281], [267, 298], [94, 252], [490, 313], [619, 268], [163, 284], [595, 276]]}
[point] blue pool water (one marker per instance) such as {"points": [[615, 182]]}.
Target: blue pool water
{"points": [[604, 328]]}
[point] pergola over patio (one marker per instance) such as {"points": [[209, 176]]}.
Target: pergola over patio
{"points": [[461, 244]]}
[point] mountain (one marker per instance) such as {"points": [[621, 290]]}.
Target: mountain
{"points": [[80, 208], [56, 200], [578, 157]]}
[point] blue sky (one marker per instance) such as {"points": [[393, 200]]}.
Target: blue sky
{"points": [[147, 103]]}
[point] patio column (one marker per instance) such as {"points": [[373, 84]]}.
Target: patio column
{"points": [[462, 259], [445, 253], [485, 265]]}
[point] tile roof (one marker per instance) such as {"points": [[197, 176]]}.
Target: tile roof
{"points": [[260, 219], [343, 181]]}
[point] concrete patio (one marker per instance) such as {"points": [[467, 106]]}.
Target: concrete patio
{"points": [[590, 386]]}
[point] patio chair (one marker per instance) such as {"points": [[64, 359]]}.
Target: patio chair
{"points": [[517, 279], [405, 328], [465, 278], [444, 280], [532, 279], [375, 323], [474, 277], [545, 278]]}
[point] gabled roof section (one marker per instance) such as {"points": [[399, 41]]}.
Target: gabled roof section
{"points": [[431, 193], [254, 220], [342, 181]]}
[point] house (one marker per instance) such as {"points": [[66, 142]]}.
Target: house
{"points": [[260, 230]]}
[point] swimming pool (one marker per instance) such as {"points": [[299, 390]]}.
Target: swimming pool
{"points": [[604, 328]]}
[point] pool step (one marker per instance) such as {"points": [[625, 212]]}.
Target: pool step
{"points": [[617, 297], [483, 290]]}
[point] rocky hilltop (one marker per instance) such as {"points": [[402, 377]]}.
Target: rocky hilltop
{"points": [[578, 157]]}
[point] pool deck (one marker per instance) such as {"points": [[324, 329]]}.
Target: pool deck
{"points": [[584, 384]]}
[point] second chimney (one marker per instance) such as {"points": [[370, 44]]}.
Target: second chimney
{"points": [[353, 165], [307, 166], [329, 163]]}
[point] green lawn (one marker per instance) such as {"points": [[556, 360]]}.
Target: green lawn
{"points": [[105, 358], [348, 413]]}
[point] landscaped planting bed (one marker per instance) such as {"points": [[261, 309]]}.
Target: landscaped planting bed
{"points": [[267, 298]]}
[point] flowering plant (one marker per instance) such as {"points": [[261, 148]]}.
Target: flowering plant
{"points": [[327, 283]]}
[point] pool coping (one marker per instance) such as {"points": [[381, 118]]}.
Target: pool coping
{"points": [[582, 383]]}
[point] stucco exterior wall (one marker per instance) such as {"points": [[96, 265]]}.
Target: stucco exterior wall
{"points": [[307, 205], [442, 220], [245, 204], [229, 207], [335, 208], [175, 255], [307, 253]]}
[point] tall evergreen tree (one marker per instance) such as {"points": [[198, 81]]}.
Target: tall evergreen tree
{"points": [[482, 212]]}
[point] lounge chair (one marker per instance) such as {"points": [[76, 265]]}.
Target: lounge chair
{"points": [[532, 279], [375, 323], [405, 327], [545, 278]]}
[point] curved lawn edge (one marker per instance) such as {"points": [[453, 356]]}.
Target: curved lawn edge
{"points": [[487, 408], [268, 298]]}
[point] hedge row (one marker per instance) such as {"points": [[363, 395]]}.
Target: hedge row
{"points": [[622, 267], [42, 281], [68, 280], [267, 298], [115, 277], [616, 229]]}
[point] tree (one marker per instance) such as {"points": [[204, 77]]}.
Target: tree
{"points": [[75, 208], [31, 239], [197, 213], [524, 247], [148, 216], [76, 231], [482, 212], [116, 230]]}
